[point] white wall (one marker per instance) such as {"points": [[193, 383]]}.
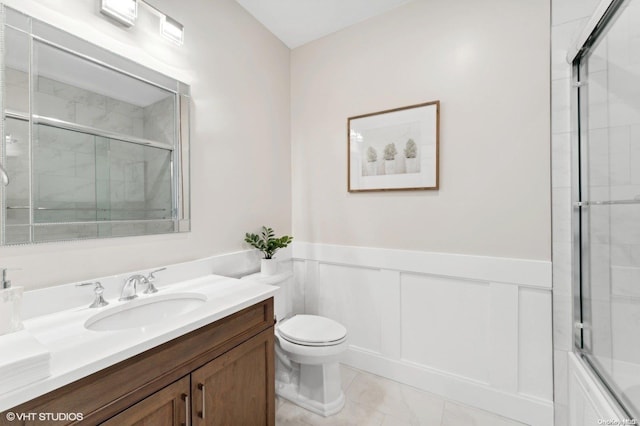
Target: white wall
{"points": [[487, 62], [240, 152]]}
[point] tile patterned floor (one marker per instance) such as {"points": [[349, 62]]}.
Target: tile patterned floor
{"points": [[376, 401]]}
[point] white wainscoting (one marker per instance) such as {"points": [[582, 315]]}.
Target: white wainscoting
{"points": [[471, 328]]}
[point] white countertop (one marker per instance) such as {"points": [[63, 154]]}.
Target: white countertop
{"points": [[77, 352]]}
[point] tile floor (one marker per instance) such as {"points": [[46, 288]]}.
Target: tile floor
{"points": [[376, 401]]}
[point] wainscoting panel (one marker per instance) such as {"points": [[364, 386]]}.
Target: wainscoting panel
{"points": [[471, 328], [445, 324], [534, 341], [353, 297]]}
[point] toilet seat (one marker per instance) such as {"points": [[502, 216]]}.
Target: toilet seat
{"points": [[312, 330]]}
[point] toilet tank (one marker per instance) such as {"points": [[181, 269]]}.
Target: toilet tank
{"points": [[283, 299]]}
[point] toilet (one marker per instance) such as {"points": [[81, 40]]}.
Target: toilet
{"points": [[308, 348]]}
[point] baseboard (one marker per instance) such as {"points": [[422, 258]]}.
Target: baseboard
{"points": [[529, 410]]}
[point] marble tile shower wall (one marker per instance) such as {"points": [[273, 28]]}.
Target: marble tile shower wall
{"points": [[129, 180], [159, 125], [614, 174]]}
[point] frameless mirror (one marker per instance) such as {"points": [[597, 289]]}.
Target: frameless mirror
{"points": [[95, 145]]}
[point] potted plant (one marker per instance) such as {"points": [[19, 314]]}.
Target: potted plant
{"points": [[268, 244], [390, 159], [410, 154], [372, 161]]}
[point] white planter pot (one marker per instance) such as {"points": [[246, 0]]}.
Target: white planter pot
{"points": [[268, 267], [389, 167], [412, 165], [372, 168]]}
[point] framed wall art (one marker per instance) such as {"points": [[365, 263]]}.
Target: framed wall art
{"points": [[394, 150]]}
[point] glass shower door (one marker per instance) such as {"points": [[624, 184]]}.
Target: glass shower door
{"points": [[608, 208]]}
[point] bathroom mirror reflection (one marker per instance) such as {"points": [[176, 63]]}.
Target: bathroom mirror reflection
{"points": [[94, 145]]}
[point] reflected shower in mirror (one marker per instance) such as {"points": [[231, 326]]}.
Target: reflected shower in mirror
{"points": [[95, 145]]}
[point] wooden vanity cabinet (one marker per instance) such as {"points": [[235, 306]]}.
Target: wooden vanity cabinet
{"points": [[230, 390], [167, 407], [220, 374]]}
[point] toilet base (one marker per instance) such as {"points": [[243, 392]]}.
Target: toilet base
{"points": [[289, 391], [317, 388]]}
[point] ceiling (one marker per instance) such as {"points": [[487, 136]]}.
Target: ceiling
{"points": [[297, 22]]}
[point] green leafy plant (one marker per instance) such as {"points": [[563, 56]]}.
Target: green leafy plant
{"points": [[372, 155], [267, 242], [411, 149], [390, 151]]}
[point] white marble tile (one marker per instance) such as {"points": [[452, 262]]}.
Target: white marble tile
{"points": [[16, 98], [16, 77], [598, 157], [52, 106], [288, 414], [395, 399], [563, 37], [560, 377], [394, 421], [353, 414], [562, 323], [599, 271], [562, 272], [459, 415], [634, 153], [626, 321], [600, 331], [124, 108], [561, 414], [619, 154], [347, 374], [561, 160], [560, 106], [624, 281], [561, 208], [568, 10]]}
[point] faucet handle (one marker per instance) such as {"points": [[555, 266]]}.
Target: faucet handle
{"points": [[151, 276], [4, 282], [98, 290], [150, 279]]}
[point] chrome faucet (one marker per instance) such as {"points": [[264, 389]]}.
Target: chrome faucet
{"points": [[130, 288], [98, 290]]}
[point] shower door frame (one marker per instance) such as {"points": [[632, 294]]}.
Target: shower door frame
{"points": [[605, 13]]}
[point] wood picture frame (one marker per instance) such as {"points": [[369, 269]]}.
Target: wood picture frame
{"points": [[394, 150]]}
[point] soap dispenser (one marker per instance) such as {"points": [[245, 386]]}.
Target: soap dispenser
{"points": [[10, 305]]}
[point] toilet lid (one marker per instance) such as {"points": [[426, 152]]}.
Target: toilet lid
{"points": [[312, 330]]}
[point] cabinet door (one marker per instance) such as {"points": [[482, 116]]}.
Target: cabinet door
{"points": [[238, 387], [167, 407]]}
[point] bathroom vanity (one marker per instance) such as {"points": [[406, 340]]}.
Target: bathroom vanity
{"points": [[212, 375], [211, 366]]}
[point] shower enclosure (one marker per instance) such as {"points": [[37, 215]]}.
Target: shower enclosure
{"points": [[606, 201]]}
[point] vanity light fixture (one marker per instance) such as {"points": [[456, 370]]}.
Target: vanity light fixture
{"points": [[123, 11], [126, 12], [172, 29]]}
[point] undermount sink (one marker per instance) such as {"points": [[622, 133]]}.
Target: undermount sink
{"points": [[145, 311]]}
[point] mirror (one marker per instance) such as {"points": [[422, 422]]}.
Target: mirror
{"points": [[95, 145]]}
